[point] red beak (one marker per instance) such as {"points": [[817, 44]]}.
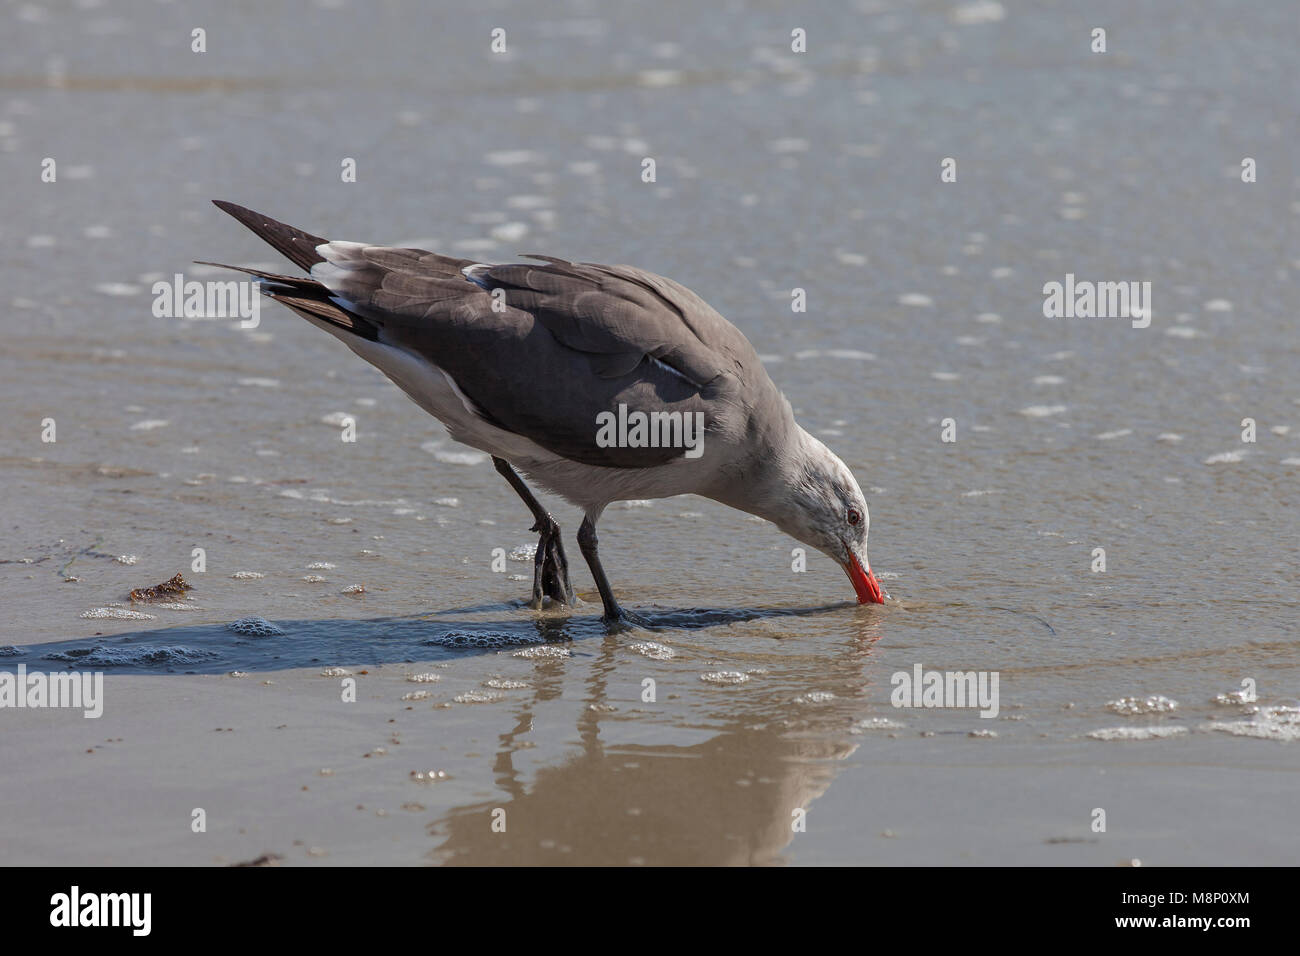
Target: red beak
{"points": [[864, 582]]}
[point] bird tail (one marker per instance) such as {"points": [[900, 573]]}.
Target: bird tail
{"points": [[303, 294]]}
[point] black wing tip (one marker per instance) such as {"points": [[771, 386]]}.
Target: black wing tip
{"points": [[297, 246], [232, 208], [245, 215], [248, 217]]}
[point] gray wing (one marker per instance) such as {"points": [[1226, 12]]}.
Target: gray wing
{"points": [[541, 350]]}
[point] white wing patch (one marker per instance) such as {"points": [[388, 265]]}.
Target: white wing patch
{"points": [[341, 259], [470, 273], [672, 371], [341, 251], [464, 399]]}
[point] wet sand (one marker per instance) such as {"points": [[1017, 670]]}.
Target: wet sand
{"points": [[771, 690]]}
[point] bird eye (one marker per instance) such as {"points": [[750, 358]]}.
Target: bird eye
{"points": [[854, 516]]}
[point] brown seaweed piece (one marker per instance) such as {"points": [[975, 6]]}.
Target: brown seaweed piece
{"points": [[176, 587]]}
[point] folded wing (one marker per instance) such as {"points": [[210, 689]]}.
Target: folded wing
{"points": [[539, 349], [542, 350]]}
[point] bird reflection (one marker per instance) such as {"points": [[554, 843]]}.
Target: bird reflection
{"points": [[742, 761]]}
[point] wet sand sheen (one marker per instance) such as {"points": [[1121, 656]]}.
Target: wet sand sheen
{"points": [[771, 691]]}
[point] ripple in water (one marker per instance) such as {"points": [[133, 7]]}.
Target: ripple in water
{"points": [[652, 650], [482, 639], [1269, 723], [477, 697], [255, 627], [815, 697], [154, 654], [1232, 698], [724, 677], [543, 652], [502, 683], [1136, 733], [1132, 706], [875, 723]]}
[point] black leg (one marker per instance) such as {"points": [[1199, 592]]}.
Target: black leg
{"points": [[588, 542], [550, 567]]}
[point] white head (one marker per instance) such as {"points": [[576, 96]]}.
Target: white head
{"points": [[812, 496]]}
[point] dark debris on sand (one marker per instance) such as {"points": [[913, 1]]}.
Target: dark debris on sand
{"points": [[176, 587]]}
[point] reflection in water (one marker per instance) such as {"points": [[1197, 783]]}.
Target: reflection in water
{"points": [[727, 799]]}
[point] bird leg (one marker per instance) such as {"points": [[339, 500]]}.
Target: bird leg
{"points": [[614, 614], [550, 567]]}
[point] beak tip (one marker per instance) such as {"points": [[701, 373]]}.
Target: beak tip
{"points": [[864, 581]]}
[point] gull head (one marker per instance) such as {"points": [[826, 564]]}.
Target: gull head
{"points": [[819, 503]]}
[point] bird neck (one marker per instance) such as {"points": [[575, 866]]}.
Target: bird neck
{"points": [[767, 484]]}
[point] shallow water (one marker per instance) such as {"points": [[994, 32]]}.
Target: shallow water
{"points": [[771, 690]]}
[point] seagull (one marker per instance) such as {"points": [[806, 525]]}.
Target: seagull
{"points": [[600, 383]]}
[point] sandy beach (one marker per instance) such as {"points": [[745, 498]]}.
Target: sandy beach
{"points": [[1073, 504]]}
